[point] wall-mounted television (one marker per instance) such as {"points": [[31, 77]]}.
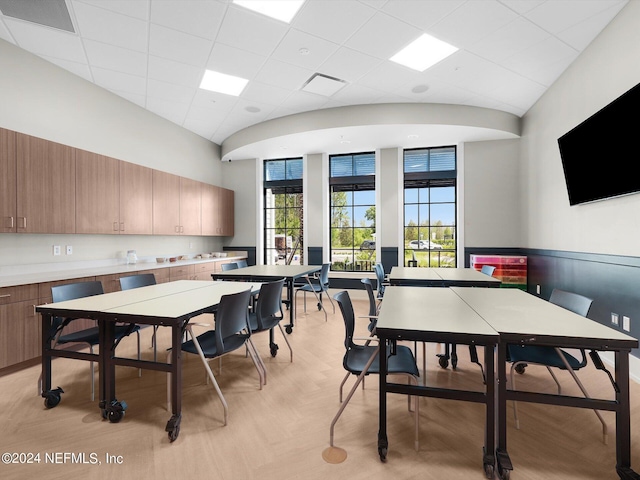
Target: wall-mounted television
{"points": [[599, 155]]}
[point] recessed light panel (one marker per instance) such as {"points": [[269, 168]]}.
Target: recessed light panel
{"points": [[283, 10], [423, 52], [223, 83]]}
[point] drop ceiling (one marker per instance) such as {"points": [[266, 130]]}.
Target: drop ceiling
{"points": [[154, 53]]}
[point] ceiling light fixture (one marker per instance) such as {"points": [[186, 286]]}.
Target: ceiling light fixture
{"points": [[252, 109], [420, 88], [223, 83], [423, 52], [283, 10]]}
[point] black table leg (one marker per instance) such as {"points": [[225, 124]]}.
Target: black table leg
{"points": [[383, 443], [292, 306], [111, 408], [489, 438], [503, 461], [173, 425], [623, 419], [51, 396]]}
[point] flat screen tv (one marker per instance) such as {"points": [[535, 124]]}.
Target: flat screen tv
{"points": [[599, 155]]}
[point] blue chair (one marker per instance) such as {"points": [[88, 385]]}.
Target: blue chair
{"points": [[522, 355], [318, 286]]}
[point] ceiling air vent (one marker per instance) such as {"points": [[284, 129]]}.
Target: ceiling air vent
{"points": [[323, 85], [52, 13]]}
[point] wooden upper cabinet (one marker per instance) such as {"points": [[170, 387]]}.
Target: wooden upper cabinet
{"points": [[46, 186], [217, 210], [8, 195], [97, 193], [190, 207], [166, 203], [136, 199]]}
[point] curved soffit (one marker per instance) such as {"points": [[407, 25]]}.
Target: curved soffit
{"points": [[368, 127]]}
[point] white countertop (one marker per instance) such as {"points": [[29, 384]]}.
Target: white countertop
{"points": [[56, 272]]}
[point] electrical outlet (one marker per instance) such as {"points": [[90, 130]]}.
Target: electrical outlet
{"points": [[614, 319], [538, 289], [56, 249], [626, 323], [69, 250]]}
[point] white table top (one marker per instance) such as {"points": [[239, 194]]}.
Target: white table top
{"points": [[271, 271], [513, 311], [434, 274], [437, 310], [165, 300]]}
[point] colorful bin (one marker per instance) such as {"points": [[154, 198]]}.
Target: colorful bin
{"points": [[510, 269]]}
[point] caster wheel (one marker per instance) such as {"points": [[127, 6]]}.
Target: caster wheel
{"points": [[443, 362], [114, 412], [520, 369], [173, 434], [488, 471], [52, 397], [115, 416], [382, 451], [505, 475], [288, 329], [274, 349]]}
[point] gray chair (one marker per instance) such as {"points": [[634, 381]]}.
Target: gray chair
{"points": [[318, 286], [229, 266], [242, 263], [90, 336], [230, 333], [362, 360], [136, 281], [552, 357]]}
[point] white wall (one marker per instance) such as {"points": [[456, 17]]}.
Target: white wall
{"points": [[605, 70], [40, 99], [491, 194]]}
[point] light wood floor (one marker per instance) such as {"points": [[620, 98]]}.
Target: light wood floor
{"points": [[279, 432]]}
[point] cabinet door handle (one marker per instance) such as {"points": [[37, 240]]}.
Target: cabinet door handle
{"points": [[24, 222], [10, 226], [115, 226], [122, 226], [6, 295]]}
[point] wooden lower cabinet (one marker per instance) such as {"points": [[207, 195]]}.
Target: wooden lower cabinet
{"points": [[183, 272], [203, 271], [19, 325]]}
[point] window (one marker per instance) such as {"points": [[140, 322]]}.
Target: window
{"points": [[283, 226], [430, 207], [353, 212]]}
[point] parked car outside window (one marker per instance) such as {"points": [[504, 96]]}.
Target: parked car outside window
{"points": [[423, 245], [368, 245]]}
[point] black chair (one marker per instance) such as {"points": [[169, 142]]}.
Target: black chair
{"points": [[242, 263], [374, 307], [267, 314], [229, 266], [318, 286], [381, 279], [522, 355], [230, 333], [90, 336], [136, 281], [362, 360]]}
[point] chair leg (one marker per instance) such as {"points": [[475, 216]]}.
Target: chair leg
{"points": [[605, 435], [257, 361], [139, 357], [351, 392], [513, 387], [93, 393], [344, 380], [287, 341], [416, 414]]}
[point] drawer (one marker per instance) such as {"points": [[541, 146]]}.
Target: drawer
{"points": [[204, 267], [181, 272], [18, 293]]}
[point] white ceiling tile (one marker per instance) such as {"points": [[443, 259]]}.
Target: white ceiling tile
{"points": [[304, 50], [261, 92], [522, 6], [421, 14], [249, 31], [356, 94], [174, 72], [179, 46], [46, 41], [109, 27], [124, 82], [4, 32], [331, 20], [169, 91], [388, 76], [196, 17], [348, 65], [203, 128], [284, 75], [234, 61], [382, 36], [532, 62], [558, 15], [140, 100], [580, 35], [219, 103], [138, 9], [302, 101], [116, 58], [509, 40], [471, 22]]}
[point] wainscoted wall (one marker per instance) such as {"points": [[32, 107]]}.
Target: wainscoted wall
{"points": [[612, 281]]}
